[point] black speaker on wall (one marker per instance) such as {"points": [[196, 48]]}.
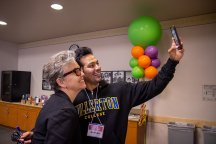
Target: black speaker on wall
{"points": [[14, 84]]}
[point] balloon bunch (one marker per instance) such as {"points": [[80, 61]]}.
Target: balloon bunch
{"points": [[144, 33], [144, 62]]}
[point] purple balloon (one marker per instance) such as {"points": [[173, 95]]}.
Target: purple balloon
{"points": [[152, 52], [155, 62]]}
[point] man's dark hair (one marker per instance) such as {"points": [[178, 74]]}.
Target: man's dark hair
{"points": [[80, 52]]}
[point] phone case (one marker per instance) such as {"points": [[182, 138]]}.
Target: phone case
{"points": [[176, 37]]}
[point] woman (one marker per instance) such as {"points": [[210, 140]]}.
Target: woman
{"points": [[58, 121]]}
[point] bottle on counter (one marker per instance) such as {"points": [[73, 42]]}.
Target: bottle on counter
{"points": [[23, 101], [43, 100], [37, 100], [29, 100]]}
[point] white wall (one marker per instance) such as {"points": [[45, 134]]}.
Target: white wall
{"points": [[8, 57], [182, 97]]}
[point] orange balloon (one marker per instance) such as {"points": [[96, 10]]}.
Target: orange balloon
{"points": [[144, 61], [151, 72], [137, 51]]}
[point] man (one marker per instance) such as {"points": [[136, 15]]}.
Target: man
{"points": [[103, 108]]}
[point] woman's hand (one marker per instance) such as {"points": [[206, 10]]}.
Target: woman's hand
{"points": [[26, 137]]}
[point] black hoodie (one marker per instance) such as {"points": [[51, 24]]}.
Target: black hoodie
{"points": [[113, 102], [57, 122]]}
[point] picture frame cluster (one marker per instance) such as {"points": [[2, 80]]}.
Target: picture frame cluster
{"points": [[117, 76], [108, 76]]}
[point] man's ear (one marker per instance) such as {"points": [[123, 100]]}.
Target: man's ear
{"points": [[60, 82]]}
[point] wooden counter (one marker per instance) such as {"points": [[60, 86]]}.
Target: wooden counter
{"points": [[135, 133], [17, 114]]}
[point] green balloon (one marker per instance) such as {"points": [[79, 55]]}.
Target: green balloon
{"points": [[144, 31], [133, 62], [137, 72]]}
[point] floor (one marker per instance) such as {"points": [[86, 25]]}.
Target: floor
{"points": [[5, 135]]}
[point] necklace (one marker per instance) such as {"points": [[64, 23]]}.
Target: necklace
{"points": [[95, 114]]}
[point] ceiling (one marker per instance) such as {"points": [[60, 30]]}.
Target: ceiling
{"points": [[34, 20]]}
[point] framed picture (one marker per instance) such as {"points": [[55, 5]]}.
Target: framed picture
{"points": [[129, 78], [118, 76], [45, 83], [107, 76]]}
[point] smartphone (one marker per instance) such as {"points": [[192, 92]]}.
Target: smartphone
{"points": [[176, 37], [19, 131], [15, 136]]}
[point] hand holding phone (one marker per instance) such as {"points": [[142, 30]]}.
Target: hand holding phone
{"points": [[176, 37], [15, 136]]}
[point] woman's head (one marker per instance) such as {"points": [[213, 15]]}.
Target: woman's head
{"points": [[62, 71]]}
